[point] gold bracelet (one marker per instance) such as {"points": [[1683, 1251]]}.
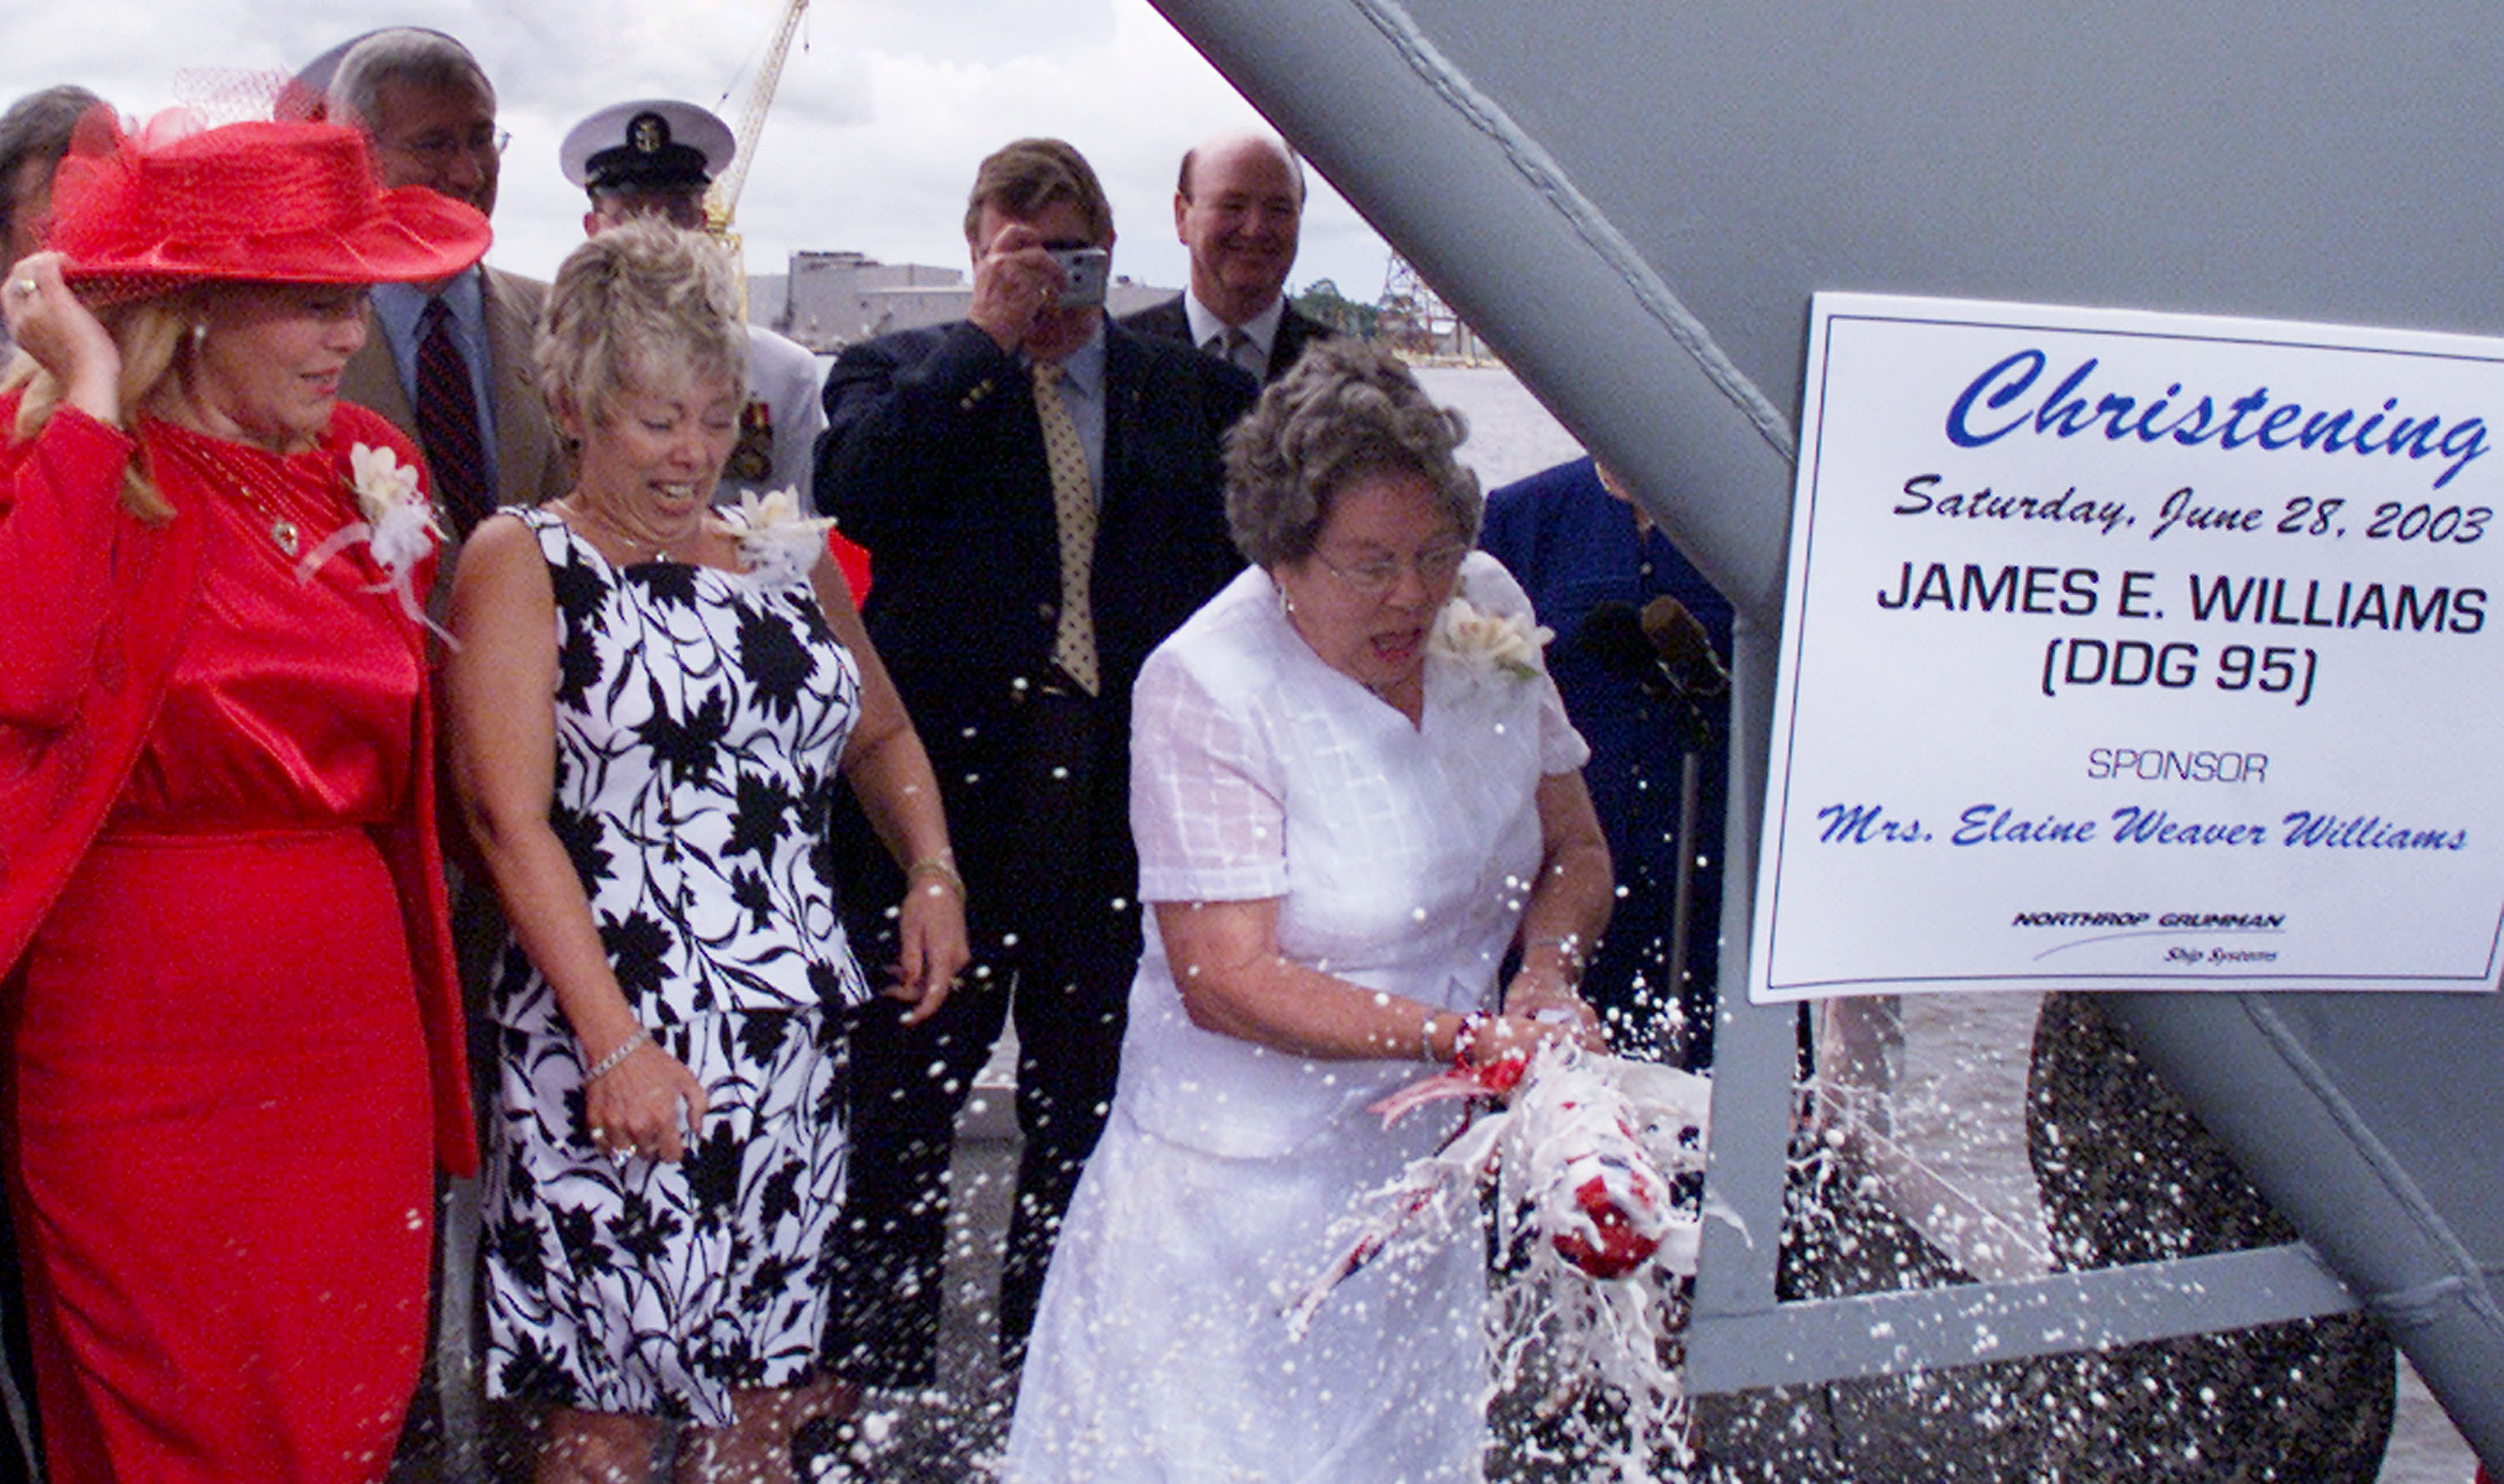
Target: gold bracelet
{"points": [[938, 865]]}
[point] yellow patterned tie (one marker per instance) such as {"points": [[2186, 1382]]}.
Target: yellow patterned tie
{"points": [[1073, 503]]}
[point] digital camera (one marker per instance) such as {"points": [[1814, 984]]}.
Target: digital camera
{"points": [[1084, 270]]}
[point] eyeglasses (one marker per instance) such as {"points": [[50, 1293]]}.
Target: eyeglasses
{"points": [[435, 151], [1437, 570]]}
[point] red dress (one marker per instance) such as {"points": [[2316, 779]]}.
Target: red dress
{"points": [[219, 1094]]}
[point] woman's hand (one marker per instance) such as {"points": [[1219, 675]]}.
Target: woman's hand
{"points": [[891, 778], [1568, 910], [65, 336], [1515, 1035], [931, 943], [649, 1106], [1548, 1001]]}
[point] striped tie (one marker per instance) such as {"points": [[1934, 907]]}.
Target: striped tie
{"points": [[1244, 351], [1235, 344], [1073, 505], [447, 422]]}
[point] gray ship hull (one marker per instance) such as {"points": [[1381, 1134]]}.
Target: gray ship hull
{"points": [[1633, 203]]}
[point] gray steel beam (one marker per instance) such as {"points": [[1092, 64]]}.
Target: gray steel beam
{"points": [[1754, 1048], [1868, 1335]]}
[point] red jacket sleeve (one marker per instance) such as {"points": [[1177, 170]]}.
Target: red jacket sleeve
{"points": [[62, 534]]}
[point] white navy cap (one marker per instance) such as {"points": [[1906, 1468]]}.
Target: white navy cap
{"points": [[650, 143]]}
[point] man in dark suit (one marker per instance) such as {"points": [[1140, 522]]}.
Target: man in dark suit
{"points": [[1238, 206], [1041, 492], [429, 113]]}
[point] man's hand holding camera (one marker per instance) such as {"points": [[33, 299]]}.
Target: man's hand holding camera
{"points": [[1036, 295]]}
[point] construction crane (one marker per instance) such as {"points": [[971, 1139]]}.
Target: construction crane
{"points": [[1414, 318], [721, 201]]}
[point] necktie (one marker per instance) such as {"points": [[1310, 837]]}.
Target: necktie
{"points": [[1073, 505], [1234, 344], [447, 422], [1244, 351]]}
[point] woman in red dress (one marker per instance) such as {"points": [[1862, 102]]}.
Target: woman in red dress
{"points": [[233, 1043]]}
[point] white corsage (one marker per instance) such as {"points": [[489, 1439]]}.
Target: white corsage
{"points": [[1498, 643], [399, 527], [779, 545]]}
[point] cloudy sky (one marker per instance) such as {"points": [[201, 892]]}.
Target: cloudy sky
{"points": [[883, 110]]}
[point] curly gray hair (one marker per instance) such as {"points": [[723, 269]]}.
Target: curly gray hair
{"points": [[641, 303], [1346, 411]]}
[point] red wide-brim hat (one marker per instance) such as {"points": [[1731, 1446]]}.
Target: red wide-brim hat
{"points": [[285, 202]]}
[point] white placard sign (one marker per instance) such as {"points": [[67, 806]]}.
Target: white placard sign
{"points": [[2129, 650]]}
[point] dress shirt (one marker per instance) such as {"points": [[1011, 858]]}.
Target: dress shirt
{"points": [[1261, 328], [396, 310]]}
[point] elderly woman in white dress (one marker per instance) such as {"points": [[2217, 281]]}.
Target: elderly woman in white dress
{"points": [[1355, 792]]}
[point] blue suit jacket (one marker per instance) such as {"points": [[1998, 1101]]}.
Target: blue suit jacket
{"points": [[1573, 547]]}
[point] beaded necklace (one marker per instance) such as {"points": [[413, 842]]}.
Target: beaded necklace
{"points": [[288, 512]]}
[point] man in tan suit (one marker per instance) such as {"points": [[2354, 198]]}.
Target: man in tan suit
{"points": [[429, 112]]}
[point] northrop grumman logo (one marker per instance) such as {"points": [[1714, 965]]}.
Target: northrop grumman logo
{"points": [[2202, 921]]}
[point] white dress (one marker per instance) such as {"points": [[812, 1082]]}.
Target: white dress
{"points": [[1404, 855]]}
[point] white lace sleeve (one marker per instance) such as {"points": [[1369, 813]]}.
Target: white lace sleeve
{"points": [[1207, 806], [1486, 583], [1561, 748]]}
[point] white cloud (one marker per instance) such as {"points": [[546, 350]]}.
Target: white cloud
{"points": [[884, 107]]}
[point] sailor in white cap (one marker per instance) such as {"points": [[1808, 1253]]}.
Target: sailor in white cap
{"points": [[655, 156]]}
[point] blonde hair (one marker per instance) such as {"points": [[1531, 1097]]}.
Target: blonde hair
{"points": [[153, 336], [634, 304]]}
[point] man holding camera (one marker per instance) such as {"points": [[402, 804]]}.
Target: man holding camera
{"points": [[1042, 494]]}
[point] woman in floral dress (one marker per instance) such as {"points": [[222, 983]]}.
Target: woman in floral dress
{"points": [[650, 705]]}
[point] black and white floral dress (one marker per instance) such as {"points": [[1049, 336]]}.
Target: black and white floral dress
{"points": [[700, 716]]}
